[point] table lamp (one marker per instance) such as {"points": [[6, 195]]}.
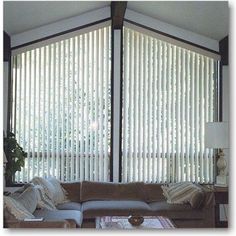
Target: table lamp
{"points": [[216, 136]]}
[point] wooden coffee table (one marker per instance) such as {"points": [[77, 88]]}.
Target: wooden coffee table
{"points": [[121, 222]]}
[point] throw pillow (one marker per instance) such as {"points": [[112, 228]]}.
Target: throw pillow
{"points": [[47, 186], [20, 190], [44, 202], [182, 193], [28, 198], [17, 209], [60, 194]]}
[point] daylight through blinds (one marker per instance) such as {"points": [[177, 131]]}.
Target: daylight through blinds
{"points": [[62, 107], [168, 95]]}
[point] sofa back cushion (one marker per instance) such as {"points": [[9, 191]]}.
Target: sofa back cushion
{"points": [[73, 190], [112, 191], [153, 192]]}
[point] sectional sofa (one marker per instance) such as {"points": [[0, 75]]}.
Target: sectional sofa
{"points": [[88, 200]]}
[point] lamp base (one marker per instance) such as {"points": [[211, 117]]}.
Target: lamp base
{"points": [[221, 181]]}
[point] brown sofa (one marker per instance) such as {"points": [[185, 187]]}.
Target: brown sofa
{"points": [[99, 199], [91, 199]]}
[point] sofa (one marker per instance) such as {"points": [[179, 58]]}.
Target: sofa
{"points": [[87, 200]]}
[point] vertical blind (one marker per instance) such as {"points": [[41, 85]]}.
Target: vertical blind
{"points": [[168, 95], [61, 107]]}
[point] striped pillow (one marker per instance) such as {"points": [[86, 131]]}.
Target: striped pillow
{"points": [[17, 209], [182, 193], [44, 202]]}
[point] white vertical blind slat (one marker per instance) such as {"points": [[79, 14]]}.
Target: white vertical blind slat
{"points": [[196, 99], [96, 106], [187, 104], [168, 104], [77, 111], [135, 145], [58, 117], [192, 142], [140, 150], [48, 110], [91, 119], [100, 106], [173, 113], [154, 160], [149, 134], [30, 120], [72, 105], [178, 137], [53, 86], [159, 112], [206, 86], [183, 128]]}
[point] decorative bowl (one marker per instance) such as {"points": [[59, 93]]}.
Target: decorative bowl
{"points": [[135, 220]]}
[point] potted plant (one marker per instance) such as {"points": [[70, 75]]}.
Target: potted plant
{"points": [[15, 158]]}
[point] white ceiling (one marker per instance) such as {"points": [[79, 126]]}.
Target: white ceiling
{"points": [[20, 16], [208, 18]]}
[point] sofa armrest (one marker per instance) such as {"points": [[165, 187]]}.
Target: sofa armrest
{"points": [[40, 224]]}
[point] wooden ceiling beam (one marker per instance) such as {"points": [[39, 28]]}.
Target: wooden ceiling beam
{"points": [[117, 13]]}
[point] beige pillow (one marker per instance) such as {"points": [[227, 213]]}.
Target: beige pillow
{"points": [[28, 198], [44, 202], [17, 209], [60, 194], [182, 193]]}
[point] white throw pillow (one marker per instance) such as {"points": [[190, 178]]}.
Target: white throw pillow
{"points": [[44, 202], [47, 186], [28, 198], [52, 188], [60, 194]]}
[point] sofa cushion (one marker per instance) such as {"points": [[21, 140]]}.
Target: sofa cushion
{"points": [[16, 208], [91, 209], [176, 211], [112, 191], [73, 190], [184, 192], [60, 215], [28, 198], [69, 206], [153, 192]]}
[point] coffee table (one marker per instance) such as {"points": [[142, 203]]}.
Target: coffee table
{"points": [[121, 222]]}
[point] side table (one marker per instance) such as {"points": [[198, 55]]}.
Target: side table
{"points": [[221, 197]]}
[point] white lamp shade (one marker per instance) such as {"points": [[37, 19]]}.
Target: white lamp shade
{"points": [[217, 135]]}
